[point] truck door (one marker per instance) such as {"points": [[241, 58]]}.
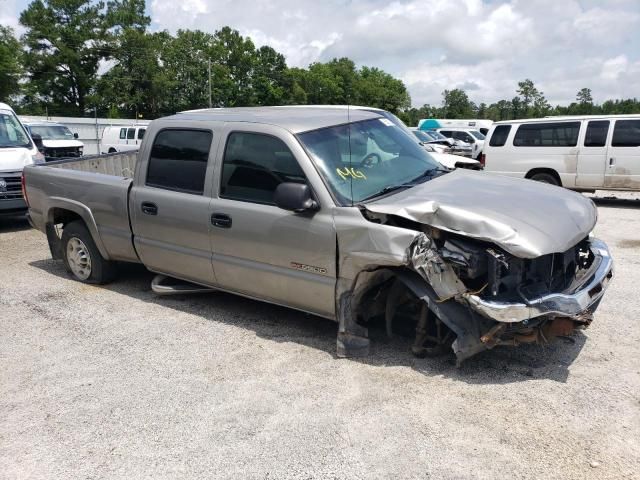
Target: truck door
{"points": [[170, 204], [623, 159], [592, 155], [259, 249]]}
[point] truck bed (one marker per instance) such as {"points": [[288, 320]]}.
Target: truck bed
{"points": [[94, 188], [120, 164]]}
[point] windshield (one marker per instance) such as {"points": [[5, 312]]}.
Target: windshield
{"points": [[422, 136], [52, 132], [362, 159], [11, 132], [477, 134], [434, 135]]}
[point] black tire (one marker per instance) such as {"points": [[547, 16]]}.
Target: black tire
{"points": [[100, 271], [545, 178]]}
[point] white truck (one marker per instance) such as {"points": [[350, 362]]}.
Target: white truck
{"points": [[17, 150]]}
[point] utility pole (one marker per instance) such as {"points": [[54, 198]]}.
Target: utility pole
{"points": [[209, 83]]}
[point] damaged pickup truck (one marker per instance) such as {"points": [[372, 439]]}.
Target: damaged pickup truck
{"points": [[334, 212]]}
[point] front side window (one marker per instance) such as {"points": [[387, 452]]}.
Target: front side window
{"points": [[178, 160], [362, 160], [626, 134], [131, 134], [254, 165], [596, 135], [123, 133], [12, 134], [499, 136], [560, 134]]}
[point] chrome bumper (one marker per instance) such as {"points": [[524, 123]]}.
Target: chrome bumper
{"points": [[560, 304]]}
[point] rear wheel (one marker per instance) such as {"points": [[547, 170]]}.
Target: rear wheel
{"points": [[112, 150], [545, 178], [82, 258]]}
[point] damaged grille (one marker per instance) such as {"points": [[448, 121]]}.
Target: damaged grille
{"points": [[62, 152], [502, 276]]}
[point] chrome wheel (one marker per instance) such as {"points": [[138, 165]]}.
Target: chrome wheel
{"points": [[78, 258]]}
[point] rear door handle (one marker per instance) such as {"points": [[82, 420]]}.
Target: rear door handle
{"points": [[612, 161], [149, 208], [221, 220]]}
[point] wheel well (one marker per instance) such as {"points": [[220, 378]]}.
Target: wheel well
{"points": [[112, 150], [64, 216], [549, 171]]}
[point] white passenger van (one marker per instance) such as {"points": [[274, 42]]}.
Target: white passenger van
{"points": [[580, 152], [122, 139]]}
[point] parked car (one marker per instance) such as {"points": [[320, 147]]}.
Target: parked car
{"points": [[481, 125], [457, 147], [17, 149], [57, 139], [122, 139], [580, 152], [469, 136], [428, 141], [349, 221]]}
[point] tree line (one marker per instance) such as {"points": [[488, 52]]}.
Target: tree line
{"points": [[86, 57], [529, 102]]}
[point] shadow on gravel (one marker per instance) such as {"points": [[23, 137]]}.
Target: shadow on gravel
{"points": [[499, 366], [13, 224], [616, 202]]}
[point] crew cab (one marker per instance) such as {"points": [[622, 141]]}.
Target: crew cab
{"points": [[336, 213]]}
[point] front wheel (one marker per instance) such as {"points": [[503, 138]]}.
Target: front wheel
{"points": [[82, 258], [545, 178]]}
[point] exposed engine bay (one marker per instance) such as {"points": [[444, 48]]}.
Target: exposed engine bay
{"points": [[470, 295]]}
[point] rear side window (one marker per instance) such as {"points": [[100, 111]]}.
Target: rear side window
{"points": [[123, 133], [131, 134], [564, 134], [254, 165], [626, 134], [141, 133], [596, 135], [178, 160], [499, 136]]}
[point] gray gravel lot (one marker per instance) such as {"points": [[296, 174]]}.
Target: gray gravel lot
{"points": [[114, 382]]}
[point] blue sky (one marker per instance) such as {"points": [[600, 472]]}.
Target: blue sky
{"points": [[485, 46]]}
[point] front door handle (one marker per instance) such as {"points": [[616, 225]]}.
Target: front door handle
{"points": [[221, 220], [149, 208]]}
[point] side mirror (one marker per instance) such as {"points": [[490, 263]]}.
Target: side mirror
{"points": [[295, 197], [37, 139], [75, 135]]}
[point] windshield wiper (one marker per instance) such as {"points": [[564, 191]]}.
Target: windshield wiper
{"points": [[386, 190], [430, 173]]}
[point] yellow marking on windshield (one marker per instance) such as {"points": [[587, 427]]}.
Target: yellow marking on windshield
{"points": [[350, 172]]}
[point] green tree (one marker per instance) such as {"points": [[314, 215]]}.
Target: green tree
{"points": [[10, 64], [456, 104], [584, 96], [270, 81], [65, 42], [376, 88]]}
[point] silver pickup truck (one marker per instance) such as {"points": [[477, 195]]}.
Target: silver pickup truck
{"points": [[334, 212]]}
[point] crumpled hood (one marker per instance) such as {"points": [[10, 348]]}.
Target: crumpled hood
{"points": [[14, 159], [526, 218]]}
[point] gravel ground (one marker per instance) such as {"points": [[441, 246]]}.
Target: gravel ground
{"points": [[114, 382]]}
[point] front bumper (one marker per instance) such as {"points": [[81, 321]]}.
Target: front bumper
{"points": [[567, 304], [12, 207]]}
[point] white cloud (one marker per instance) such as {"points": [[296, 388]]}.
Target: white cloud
{"points": [[484, 45]]}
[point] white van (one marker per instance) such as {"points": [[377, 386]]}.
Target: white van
{"points": [[17, 150], [122, 139], [482, 126], [57, 139], [473, 137], [580, 152]]}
